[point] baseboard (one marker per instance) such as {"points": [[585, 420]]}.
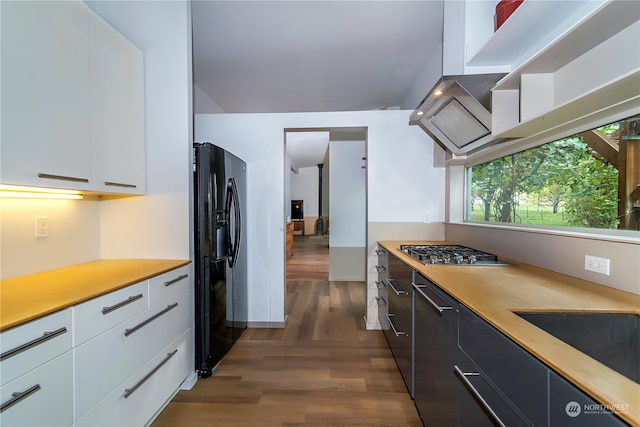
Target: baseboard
{"points": [[189, 382], [372, 324], [269, 325], [346, 279]]}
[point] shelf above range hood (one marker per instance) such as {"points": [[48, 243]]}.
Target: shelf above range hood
{"points": [[457, 112]]}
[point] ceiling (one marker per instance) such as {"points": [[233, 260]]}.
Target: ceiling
{"points": [[312, 56]]}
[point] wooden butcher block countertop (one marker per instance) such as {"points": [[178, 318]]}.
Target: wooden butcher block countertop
{"points": [[495, 293], [29, 297]]}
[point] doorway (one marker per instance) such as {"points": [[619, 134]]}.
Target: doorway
{"points": [[326, 170]]}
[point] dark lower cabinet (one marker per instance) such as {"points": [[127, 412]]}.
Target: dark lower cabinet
{"points": [[436, 352], [570, 407], [399, 332], [519, 376]]}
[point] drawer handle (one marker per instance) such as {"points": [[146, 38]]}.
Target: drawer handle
{"points": [[433, 305], [462, 376], [381, 268], [395, 331], [380, 284], [107, 310], [380, 252], [398, 292], [45, 337], [61, 177], [129, 391], [176, 280], [378, 299], [170, 307], [18, 396], [118, 184]]}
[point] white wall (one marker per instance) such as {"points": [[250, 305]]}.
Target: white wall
{"points": [[347, 206], [398, 156], [74, 235], [304, 186]]}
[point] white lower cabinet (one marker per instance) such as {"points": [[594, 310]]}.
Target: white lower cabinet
{"points": [[135, 400], [114, 360], [104, 362], [41, 397]]}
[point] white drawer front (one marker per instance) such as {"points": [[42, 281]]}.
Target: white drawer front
{"points": [[100, 314], [107, 360], [147, 390], [170, 283], [47, 398], [34, 343]]}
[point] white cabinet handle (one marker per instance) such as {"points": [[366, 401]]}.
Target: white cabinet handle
{"points": [[18, 396], [61, 177], [45, 337], [170, 307], [176, 280], [129, 391], [107, 310]]}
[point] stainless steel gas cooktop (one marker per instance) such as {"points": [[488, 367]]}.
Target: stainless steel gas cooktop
{"points": [[451, 255]]}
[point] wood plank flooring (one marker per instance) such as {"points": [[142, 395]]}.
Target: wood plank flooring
{"points": [[322, 369]]}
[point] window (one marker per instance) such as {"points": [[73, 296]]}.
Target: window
{"points": [[585, 180]]}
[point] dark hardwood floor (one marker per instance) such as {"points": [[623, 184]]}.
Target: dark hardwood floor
{"points": [[322, 369]]}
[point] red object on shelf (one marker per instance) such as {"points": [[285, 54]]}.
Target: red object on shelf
{"points": [[504, 9]]}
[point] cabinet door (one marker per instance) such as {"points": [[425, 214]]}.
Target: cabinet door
{"points": [[117, 111], [42, 397], [45, 94]]}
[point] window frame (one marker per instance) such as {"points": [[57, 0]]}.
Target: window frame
{"points": [[521, 144]]}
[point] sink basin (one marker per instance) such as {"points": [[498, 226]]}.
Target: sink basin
{"points": [[610, 338]]}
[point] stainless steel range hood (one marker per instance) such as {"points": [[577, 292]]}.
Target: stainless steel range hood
{"points": [[457, 112]]}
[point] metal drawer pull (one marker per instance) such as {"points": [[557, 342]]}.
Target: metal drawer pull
{"points": [[380, 284], [381, 268], [378, 299], [380, 252], [170, 307], [129, 391], [398, 292], [462, 376], [45, 337], [433, 305], [176, 280], [106, 310], [118, 184], [18, 396], [62, 177], [395, 331]]}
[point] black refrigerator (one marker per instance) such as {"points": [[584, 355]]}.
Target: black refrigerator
{"points": [[220, 264]]}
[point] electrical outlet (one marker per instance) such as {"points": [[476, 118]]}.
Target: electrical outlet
{"points": [[597, 265], [42, 226], [427, 218]]}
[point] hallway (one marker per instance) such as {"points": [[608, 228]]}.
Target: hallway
{"points": [[322, 369]]}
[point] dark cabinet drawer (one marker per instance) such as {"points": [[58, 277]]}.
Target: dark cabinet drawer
{"points": [[570, 407], [518, 375]]}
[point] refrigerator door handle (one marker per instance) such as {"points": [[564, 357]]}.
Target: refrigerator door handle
{"points": [[233, 204]]}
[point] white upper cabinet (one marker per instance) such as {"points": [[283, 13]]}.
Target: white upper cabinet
{"points": [[589, 72], [72, 100], [117, 111], [45, 94]]}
